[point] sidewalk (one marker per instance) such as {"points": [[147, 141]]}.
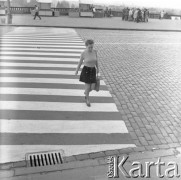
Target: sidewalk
{"points": [[97, 168], [114, 23]]}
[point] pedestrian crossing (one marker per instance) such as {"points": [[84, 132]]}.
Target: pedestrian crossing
{"points": [[42, 104]]}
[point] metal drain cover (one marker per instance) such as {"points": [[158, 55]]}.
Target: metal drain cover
{"points": [[46, 158]]}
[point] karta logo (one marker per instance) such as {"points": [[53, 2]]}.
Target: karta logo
{"points": [[117, 165]]}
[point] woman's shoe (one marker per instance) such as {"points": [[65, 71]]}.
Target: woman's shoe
{"points": [[88, 104]]}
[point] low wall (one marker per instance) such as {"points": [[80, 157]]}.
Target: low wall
{"points": [[65, 12]]}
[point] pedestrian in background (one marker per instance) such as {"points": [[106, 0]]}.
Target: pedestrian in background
{"points": [[135, 15], [162, 13], [37, 12], [146, 15], [130, 15], [123, 14], [93, 11], [90, 69]]}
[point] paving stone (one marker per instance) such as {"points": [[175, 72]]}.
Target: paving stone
{"points": [[6, 174], [97, 155], [6, 166], [151, 147], [155, 139], [135, 126], [147, 136], [111, 152], [137, 143], [139, 149], [168, 130], [82, 157], [168, 139], [138, 132], [174, 139], [126, 151], [144, 130], [173, 145], [160, 136], [164, 146], [70, 158], [151, 143], [133, 135], [163, 141], [143, 141], [163, 132]]}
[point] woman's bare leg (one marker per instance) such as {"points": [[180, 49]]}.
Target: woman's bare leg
{"points": [[87, 90]]}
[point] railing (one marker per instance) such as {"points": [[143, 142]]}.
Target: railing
{"points": [[154, 16], [21, 10], [65, 11]]}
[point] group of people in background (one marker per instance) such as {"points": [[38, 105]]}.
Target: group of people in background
{"points": [[135, 14], [108, 12]]}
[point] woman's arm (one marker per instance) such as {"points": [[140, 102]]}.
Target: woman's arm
{"points": [[97, 66], [80, 63]]}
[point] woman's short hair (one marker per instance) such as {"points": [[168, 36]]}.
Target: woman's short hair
{"points": [[89, 41]]}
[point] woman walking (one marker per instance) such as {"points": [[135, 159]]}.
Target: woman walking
{"points": [[90, 69]]}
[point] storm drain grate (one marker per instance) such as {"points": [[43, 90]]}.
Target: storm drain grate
{"points": [[44, 158]]}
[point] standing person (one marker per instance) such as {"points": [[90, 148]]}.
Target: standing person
{"points": [[142, 15], [139, 16], [126, 14], [130, 15], [162, 14], [123, 14], [135, 15], [107, 11], [110, 12], [93, 11], [37, 12], [146, 15], [90, 69]]}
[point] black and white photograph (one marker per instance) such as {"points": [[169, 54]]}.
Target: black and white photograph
{"points": [[90, 89]]}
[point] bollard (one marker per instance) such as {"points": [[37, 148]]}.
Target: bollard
{"points": [[9, 19]]}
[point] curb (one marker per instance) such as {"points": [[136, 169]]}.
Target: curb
{"points": [[95, 28], [73, 162]]}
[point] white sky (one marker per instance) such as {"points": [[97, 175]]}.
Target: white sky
{"points": [[139, 3], [149, 3]]}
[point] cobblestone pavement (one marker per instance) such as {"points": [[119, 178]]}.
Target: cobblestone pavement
{"points": [[143, 73]]}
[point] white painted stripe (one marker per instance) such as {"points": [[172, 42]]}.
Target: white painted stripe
{"points": [[62, 126], [43, 80], [40, 35], [13, 153], [38, 65], [56, 92], [41, 54], [23, 58], [44, 43], [41, 46], [57, 106], [19, 71], [44, 33], [38, 49], [47, 35], [40, 40]]}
